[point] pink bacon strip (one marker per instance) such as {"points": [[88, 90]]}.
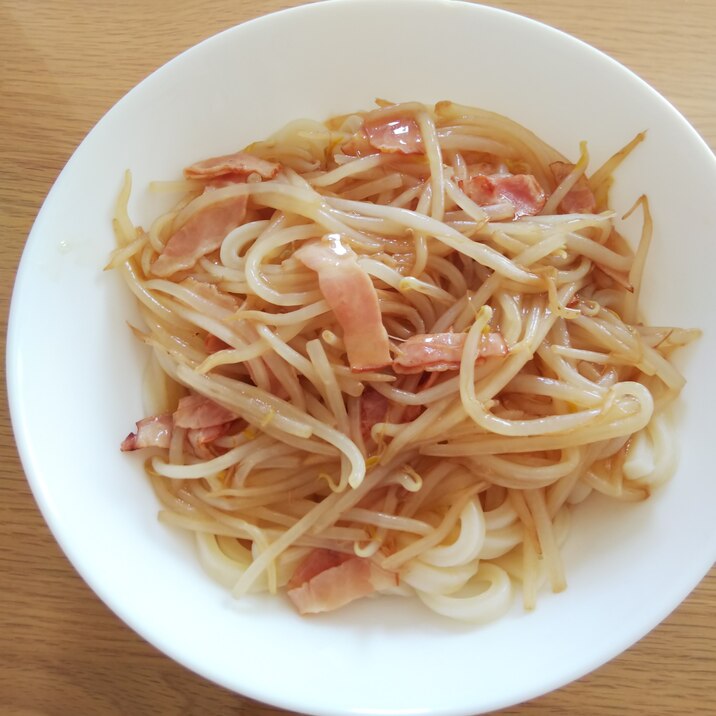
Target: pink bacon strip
{"points": [[436, 352], [242, 163], [352, 297], [327, 580], [393, 132], [580, 198], [521, 190], [202, 233]]}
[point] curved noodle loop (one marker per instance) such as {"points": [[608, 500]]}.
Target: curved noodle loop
{"points": [[390, 352]]}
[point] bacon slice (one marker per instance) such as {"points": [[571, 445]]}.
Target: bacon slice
{"points": [[328, 580], [580, 198], [155, 431], [352, 297], [358, 145], [373, 409], [226, 180], [393, 133], [443, 351], [199, 437], [197, 412], [241, 163], [200, 235], [521, 190], [316, 561], [204, 420]]}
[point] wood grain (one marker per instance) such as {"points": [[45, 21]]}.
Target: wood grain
{"points": [[62, 65]]}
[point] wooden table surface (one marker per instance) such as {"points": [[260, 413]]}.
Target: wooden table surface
{"points": [[62, 66]]}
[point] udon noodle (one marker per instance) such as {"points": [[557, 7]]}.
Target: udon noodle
{"points": [[390, 352]]}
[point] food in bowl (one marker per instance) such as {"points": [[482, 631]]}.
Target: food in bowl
{"points": [[390, 350]]}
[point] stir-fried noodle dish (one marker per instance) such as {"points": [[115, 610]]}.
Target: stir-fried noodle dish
{"points": [[389, 353]]}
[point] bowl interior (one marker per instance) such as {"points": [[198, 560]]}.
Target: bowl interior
{"points": [[75, 373]]}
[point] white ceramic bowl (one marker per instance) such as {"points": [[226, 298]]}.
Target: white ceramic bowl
{"points": [[75, 373]]}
